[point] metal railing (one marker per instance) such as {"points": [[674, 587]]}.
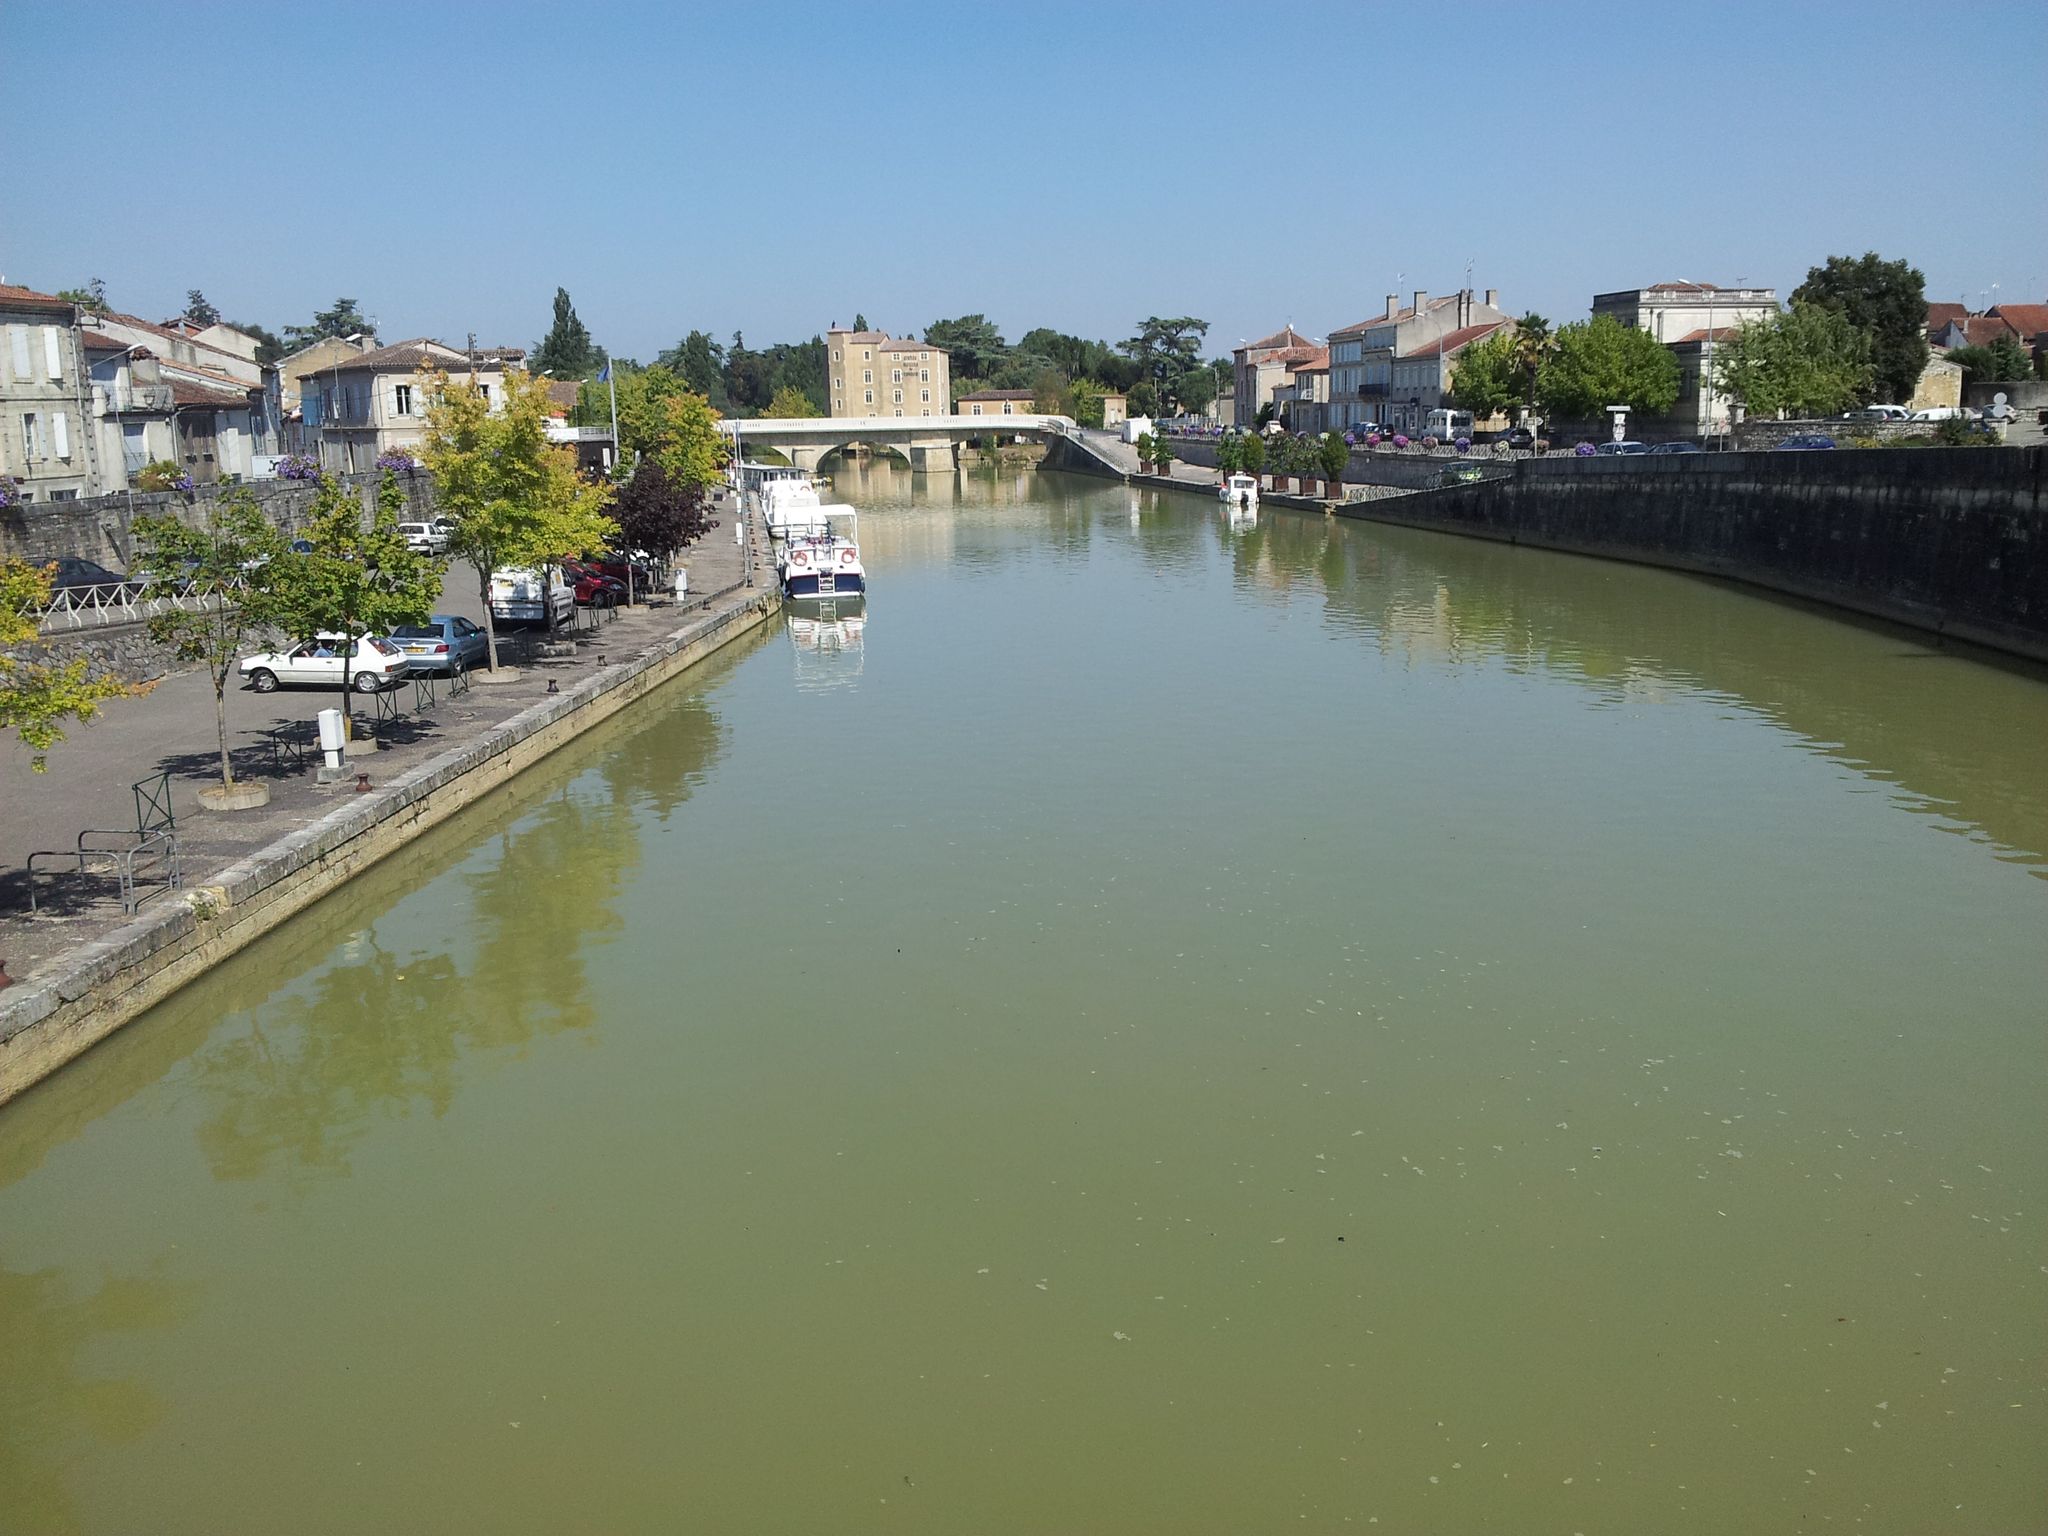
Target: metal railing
{"points": [[113, 399], [132, 854], [103, 605]]}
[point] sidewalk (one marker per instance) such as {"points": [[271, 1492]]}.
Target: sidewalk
{"points": [[91, 771]]}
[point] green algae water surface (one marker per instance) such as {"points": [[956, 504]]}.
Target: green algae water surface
{"points": [[1160, 1028]]}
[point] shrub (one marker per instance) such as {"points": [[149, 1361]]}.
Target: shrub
{"points": [[1463, 445], [1372, 439], [158, 475], [297, 466], [1400, 440], [8, 497], [396, 458], [1584, 450], [1957, 432], [1430, 441]]}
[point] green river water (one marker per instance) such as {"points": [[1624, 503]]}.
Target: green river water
{"points": [[1177, 1029]]}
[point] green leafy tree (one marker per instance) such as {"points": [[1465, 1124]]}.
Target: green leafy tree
{"points": [[1144, 446], [198, 311], [92, 298], [1083, 402], [1230, 454], [1601, 362], [1809, 361], [566, 352], [269, 347], [342, 319], [1194, 389], [701, 362], [1333, 455], [687, 441], [1887, 300], [1251, 452], [2005, 359], [489, 471], [790, 405], [229, 556], [359, 578], [1486, 378], [34, 695], [1164, 349], [860, 321], [1162, 456], [1142, 399], [976, 347], [1533, 345], [1048, 392]]}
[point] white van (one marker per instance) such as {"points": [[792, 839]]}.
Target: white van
{"points": [[517, 597], [1448, 426]]}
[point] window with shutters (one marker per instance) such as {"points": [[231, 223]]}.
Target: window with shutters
{"points": [[60, 427], [17, 350], [53, 351], [31, 437], [401, 399]]}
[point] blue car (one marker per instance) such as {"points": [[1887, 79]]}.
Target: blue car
{"points": [[1808, 442], [442, 644]]}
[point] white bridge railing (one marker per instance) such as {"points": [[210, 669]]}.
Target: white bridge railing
{"points": [[110, 603]]}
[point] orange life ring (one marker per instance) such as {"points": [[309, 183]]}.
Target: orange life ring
{"points": [[846, 557], [799, 557]]}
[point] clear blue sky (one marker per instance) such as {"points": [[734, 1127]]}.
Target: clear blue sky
{"points": [[1072, 165]]}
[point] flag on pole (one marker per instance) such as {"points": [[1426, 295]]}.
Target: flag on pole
{"points": [[604, 374]]}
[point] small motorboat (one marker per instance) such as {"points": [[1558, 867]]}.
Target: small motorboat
{"points": [[1240, 490]]}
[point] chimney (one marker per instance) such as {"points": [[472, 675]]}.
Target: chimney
{"points": [[1493, 298], [1393, 305], [1421, 298], [1464, 307]]}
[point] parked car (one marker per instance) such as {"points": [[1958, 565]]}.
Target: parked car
{"points": [[1879, 413], [518, 596], [1628, 449], [377, 663], [1806, 442], [593, 588], [424, 538], [1460, 472], [444, 643], [1521, 439], [614, 566], [1944, 413], [74, 571], [1679, 447]]}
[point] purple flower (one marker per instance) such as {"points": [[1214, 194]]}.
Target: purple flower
{"points": [[1584, 450], [1350, 441], [1372, 439], [1400, 440], [1464, 445], [394, 458], [297, 466], [182, 483]]}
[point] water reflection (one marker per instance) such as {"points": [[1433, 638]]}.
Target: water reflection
{"points": [[828, 643], [55, 1408]]}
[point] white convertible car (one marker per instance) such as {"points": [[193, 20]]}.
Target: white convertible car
{"points": [[317, 664]]}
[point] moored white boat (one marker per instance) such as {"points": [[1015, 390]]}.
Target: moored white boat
{"points": [[1240, 490], [826, 563]]}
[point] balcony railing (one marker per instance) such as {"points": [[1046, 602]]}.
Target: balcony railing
{"points": [[1372, 391]]}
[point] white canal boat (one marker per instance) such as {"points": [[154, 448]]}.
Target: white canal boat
{"points": [[825, 563], [1241, 491]]}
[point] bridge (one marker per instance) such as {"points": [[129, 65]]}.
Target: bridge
{"points": [[931, 443]]}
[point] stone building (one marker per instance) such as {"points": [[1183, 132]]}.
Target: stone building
{"points": [[1259, 369], [869, 373], [1385, 371], [1691, 319], [371, 403], [996, 402], [46, 435], [1305, 396]]}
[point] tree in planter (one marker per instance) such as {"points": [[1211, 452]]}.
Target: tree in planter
{"points": [[1162, 456], [360, 578], [1601, 362], [234, 543], [1333, 456], [1251, 453], [1229, 456], [35, 696]]}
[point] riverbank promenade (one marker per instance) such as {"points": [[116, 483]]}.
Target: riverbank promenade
{"points": [[170, 729]]}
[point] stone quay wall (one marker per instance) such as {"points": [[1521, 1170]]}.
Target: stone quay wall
{"points": [[179, 937], [1951, 540], [101, 528]]}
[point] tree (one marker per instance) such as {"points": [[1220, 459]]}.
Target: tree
{"points": [[701, 363], [790, 405], [489, 471], [1143, 399], [1601, 362], [1251, 452], [92, 297], [2005, 359], [1049, 392], [359, 578], [1533, 345], [1486, 378], [1887, 300], [1229, 453], [860, 321], [343, 319], [1333, 455], [1083, 402], [1144, 446], [566, 352], [198, 311], [656, 514], [1809, 361], [687, 441], [232, 543], [1194, 389], [34, 695], [976, 347], [1162, 456], [1165, 349], [268, 347]]}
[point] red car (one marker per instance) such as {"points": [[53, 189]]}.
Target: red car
{"points": [[592, 587]]}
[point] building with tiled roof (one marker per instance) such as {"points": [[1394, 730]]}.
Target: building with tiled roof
{"points": [[47, 443], [1691, 319], [870, 373], [362, 406], [1376, 377]]}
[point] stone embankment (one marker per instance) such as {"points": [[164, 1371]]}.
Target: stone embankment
{"points": [[1950, 540], [78, 995]]}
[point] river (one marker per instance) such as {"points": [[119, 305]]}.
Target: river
{"points": [[1168, 1029]]}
